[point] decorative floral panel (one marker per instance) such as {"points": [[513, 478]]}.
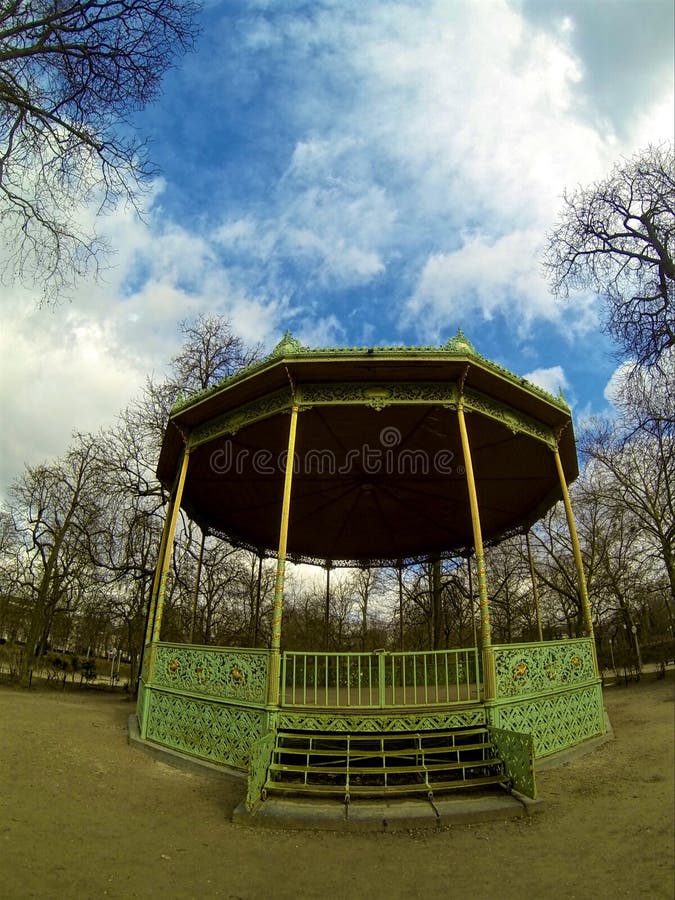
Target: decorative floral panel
{"points": [[227, 673], [525, 670]]}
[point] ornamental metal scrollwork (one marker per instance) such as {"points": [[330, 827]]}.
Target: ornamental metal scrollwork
{"points": [[380, 395], [517, 752], [234, 421], [514, 420], [382, 723]]}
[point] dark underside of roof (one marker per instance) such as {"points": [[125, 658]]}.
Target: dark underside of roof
{"points": [[371, 485]]}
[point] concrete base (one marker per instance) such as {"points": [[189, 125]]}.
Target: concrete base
{"points": [[384, 815], [377, 814]]}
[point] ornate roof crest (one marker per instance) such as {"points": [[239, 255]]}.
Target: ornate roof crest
{"points": [[459, 343], [287, 346]]}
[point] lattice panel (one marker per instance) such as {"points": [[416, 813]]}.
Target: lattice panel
{"points": [[555, 722], [224, 672], [382, 723], [261, 757], [535, 669], [213, 731], [517, 752]]}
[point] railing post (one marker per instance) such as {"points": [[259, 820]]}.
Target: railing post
{"points": [[381, 676]]}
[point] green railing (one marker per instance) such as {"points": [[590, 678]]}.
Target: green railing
{"points": [[380, 679]]}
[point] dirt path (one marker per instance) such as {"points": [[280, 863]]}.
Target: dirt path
{"points": [[83, 815]]}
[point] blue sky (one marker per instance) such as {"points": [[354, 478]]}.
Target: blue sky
{"points": [[361, 173]]}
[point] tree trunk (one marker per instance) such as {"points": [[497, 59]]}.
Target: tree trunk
{"points": [[436, 605]]}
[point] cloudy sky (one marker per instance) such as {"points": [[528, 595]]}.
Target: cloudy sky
{"points": [[361, 173]]}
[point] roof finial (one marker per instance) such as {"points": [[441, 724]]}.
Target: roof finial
{"points": [[287, 345], [459, 343]]}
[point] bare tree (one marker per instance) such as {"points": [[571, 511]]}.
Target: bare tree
{"points": [[55, 508], [71, 73], [639, 475], [617, 239], [211, 351]]}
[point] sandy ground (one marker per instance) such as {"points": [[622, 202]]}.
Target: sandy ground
{"points": [[84, 815]]}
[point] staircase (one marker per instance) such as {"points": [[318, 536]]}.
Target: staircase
{"points": [[382, 765]]}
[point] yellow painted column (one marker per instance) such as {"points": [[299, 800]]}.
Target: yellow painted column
{"points": [[275, 647], [158, 566], [485, 628], [576, 549], [159, 583], [165, 561]]}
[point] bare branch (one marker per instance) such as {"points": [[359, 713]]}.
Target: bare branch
{"points": [[70, 74], [617, 238]]}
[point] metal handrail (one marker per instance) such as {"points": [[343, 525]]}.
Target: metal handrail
{"points": [[380, 679]]}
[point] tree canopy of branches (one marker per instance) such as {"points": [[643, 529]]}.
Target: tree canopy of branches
{"points": [[71, 73], [617, 238], [210, 352]]}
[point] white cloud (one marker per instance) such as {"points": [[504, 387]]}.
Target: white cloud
{"points": [[75, 366], [61, 372], [421, 156], [483, 276], [417, 124], [551, 379]]}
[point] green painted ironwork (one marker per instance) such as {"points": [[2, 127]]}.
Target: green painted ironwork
{"points": [[530, 670], [290, 348], [555, 721], [385, 723], [380, 680], [517, 753], [376, 395], [512, 418], [141, 702], [259, 763], [209, 729], [210, 702], [550, 690], [232, 422], [234, 674]]}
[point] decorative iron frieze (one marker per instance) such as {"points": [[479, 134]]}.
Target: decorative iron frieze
{"points": [[379, 395], [232, 422], [513, 419], [380, 723]]}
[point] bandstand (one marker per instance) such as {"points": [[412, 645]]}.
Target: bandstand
{"points": [[399, 454]]}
